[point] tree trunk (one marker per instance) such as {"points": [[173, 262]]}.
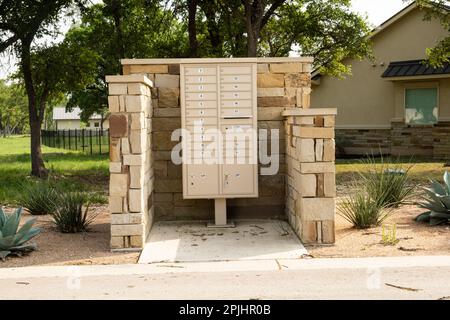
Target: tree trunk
{"points": [[252, 34], [37, 162], [192, 28]]}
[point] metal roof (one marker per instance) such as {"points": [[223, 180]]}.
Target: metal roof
{"points": [[60, 113], [414, 68]]}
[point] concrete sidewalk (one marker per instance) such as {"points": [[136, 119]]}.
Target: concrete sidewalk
{"points": [[368, 278]]}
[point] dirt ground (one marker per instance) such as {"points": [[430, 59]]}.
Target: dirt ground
{"points": [[415, 239], [55, 248]]}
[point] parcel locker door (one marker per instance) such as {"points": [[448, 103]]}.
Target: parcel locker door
{"points": [[238, 179], [202, 180]]}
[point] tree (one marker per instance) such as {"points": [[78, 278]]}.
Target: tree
{"points": [[439, 9], [13, 109], [21, 22]]}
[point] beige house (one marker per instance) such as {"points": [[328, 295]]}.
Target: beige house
{"points": [[71, 120], [395, 102]]}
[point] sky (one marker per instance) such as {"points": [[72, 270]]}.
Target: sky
{"points": [[377, 12]]}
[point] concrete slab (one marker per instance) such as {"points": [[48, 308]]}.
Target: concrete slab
{"points": [[194, 242]]}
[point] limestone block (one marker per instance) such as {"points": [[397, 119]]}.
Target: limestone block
{"points": [[115, 204], [114, 150], [136, 103], [138, 140], [329, 185], [328, 233], [307, 67], [281, 101], [169, 97], [306, 184], [125, 146], [286, 67], [136, 177], [262, 67], [318, 167], [270, 92], [113, 103], [122, 106], [118, 125], [319, 150], [316, 209], [160, 169], [167, 81], [168, 185], [329, 153], [270, 113], [270, 80], [138, 89], [166, 124], [320, 182], [117, 243], [305, 150], [318, 133], [162, 141], [115, 167], [304, 121], [126, 218], [117, 88], [309, 232], [329, 121], [138, 121], [167, 113], [297, 80], [118, 184], [137, 241], [127, 230], [135, 200], [306, 98], [154, 68], [299, 98], [133, 159]]}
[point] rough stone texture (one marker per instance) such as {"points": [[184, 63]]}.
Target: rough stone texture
{"points": [[131, 178], [310, 184]]}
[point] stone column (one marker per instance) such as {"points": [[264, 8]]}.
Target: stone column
{"points": [[131, 169], [311, 187]]}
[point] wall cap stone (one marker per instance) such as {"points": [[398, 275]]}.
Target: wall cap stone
{"points": [[310, 112], [216, 60], [133, 78]]}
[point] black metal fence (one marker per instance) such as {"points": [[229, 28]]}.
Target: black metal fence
{"points": [[89, 141]]}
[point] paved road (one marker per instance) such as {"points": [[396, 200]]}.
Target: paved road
{"points": [[374, 278]]}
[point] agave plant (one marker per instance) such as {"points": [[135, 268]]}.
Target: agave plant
{"points": [[12, 239], [437, 202]]}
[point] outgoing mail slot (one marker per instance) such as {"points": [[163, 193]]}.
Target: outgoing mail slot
{"points": [[202, 71], [236, 95], [238, 179], [237, 112], [201, 104], [201, 112], [236, 87], [202, 180], [201, 88], [201, 79], [236, 79], [236, 103], [201, 96], [236, 70]]}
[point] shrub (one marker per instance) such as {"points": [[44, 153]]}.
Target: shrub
{"points": [[38, 197], [72, 213], [386, 183], [362, 211], [12, 239], [437, 201]]}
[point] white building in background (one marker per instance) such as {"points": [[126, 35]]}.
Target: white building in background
{"points": [[71, 120]]}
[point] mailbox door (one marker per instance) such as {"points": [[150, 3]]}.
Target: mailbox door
{"points": [[202, 180]]}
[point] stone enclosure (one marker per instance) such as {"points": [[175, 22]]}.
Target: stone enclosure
{"points": [[145, 185]]}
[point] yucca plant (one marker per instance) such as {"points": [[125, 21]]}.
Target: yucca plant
{"points": [[12, 239], [362, 211], [387, 183], [71, 214], [437, 201], [38, 197]]}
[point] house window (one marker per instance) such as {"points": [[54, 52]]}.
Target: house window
{"points": [[96, 124], [421, 106]]}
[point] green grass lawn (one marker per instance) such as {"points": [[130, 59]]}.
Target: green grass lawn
{"points": [[422, 169], [69, 170]]}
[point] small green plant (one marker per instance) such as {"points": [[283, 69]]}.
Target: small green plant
{"points": [[389, 234], [362, 211], [12, 239], [386, 183], [72, 213], [437, 201], [38, 197]]}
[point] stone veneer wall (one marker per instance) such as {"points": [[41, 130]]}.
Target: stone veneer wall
{"points": [[311, 186], [411, 140], [280, 86], [363, 141], [131, 168], [441, 140]]}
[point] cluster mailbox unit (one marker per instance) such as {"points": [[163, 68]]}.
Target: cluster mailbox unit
{"points": [[219, 116]]}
